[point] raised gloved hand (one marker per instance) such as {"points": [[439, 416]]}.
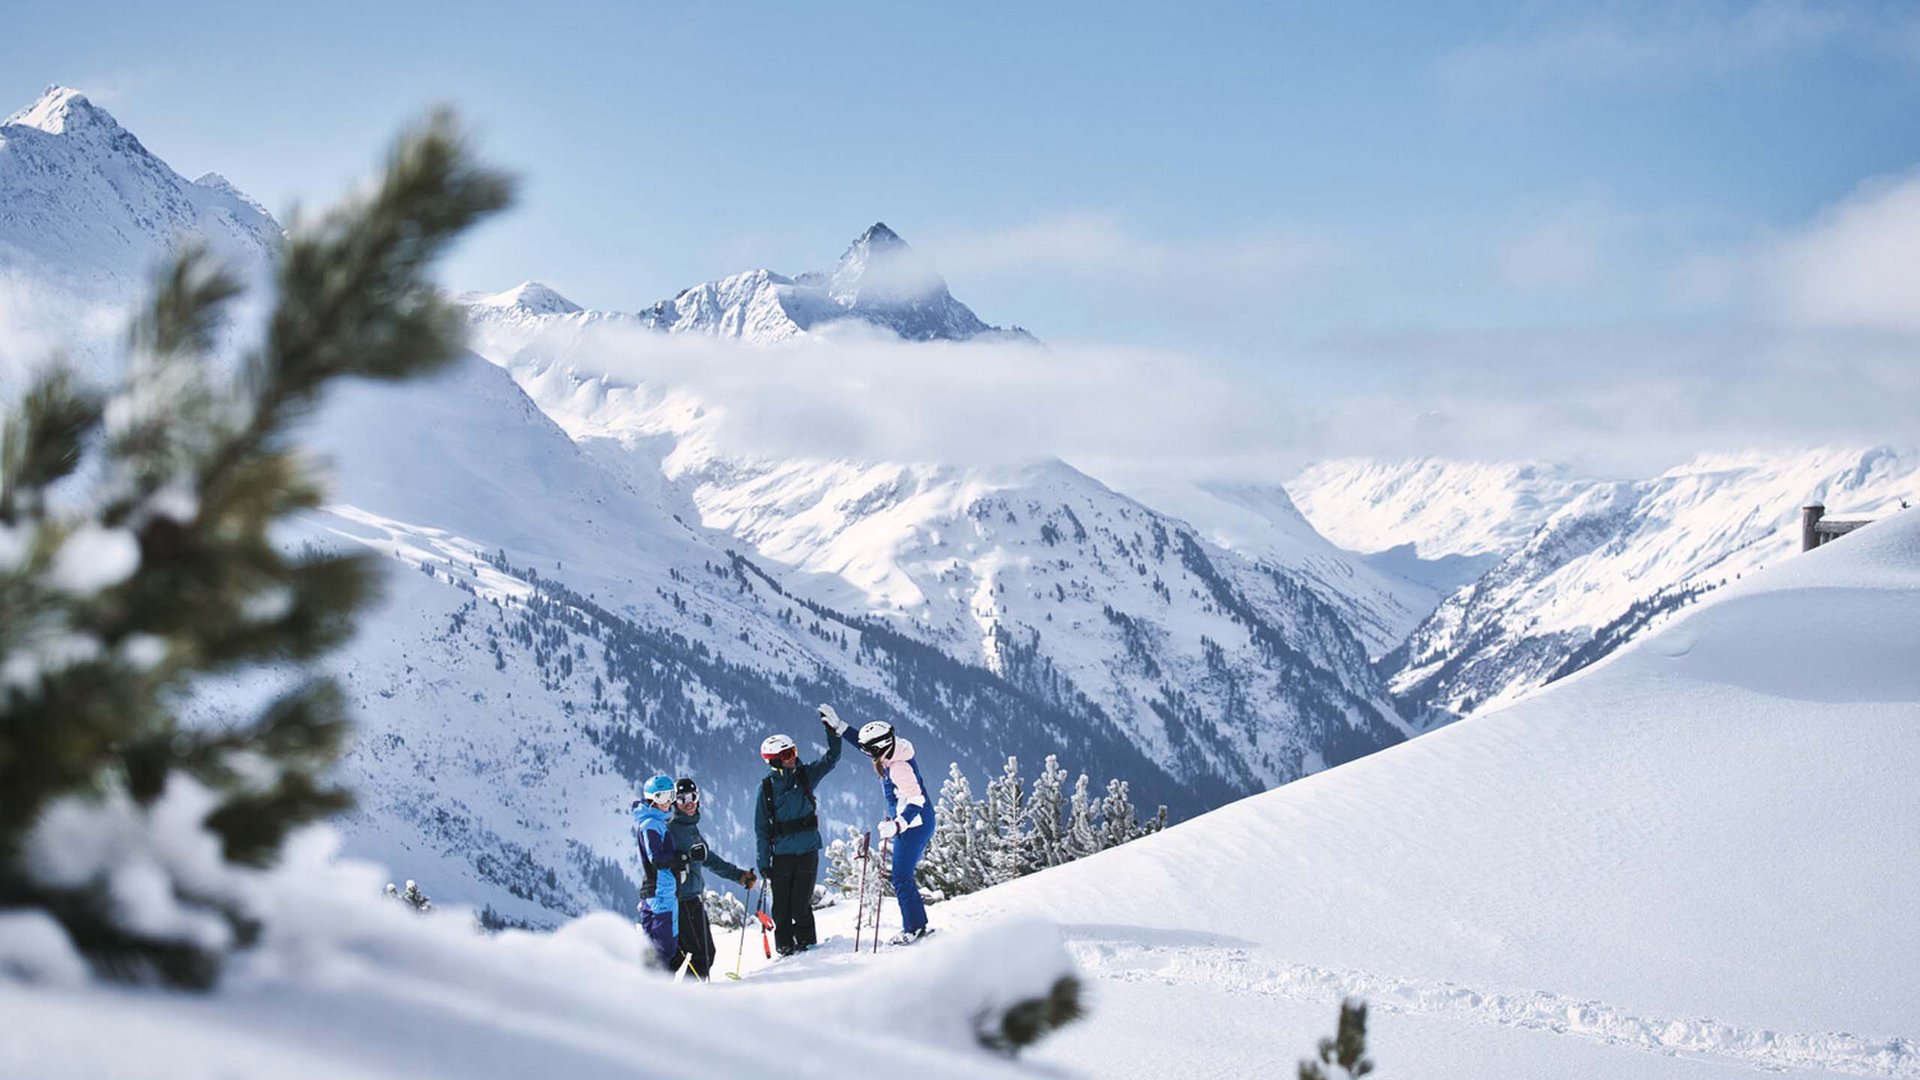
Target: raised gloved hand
{"points": [[890, 828], [832, 722], [748, 880]]}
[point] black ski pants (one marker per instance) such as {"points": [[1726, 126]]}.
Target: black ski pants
{"points": [[696, 937], [792, 884]]}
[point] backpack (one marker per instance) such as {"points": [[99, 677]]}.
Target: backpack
{"points": [[777, 828]]}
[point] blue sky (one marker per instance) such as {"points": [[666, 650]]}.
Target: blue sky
{"points": [[1328, 193]]}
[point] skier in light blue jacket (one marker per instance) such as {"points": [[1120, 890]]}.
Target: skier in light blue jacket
{"points": [[663, 865]]}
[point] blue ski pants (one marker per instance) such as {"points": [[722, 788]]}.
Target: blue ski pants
{"points": [[660, 934], [907, 849]]}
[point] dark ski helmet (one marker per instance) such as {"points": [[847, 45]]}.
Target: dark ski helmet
{"points": [[686, 792]]}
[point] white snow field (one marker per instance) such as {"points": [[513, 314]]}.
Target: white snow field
{"points": [[349, 986], [1698, 858]]}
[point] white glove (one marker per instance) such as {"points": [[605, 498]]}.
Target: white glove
{"points": [[832, 720], [890, 828]]}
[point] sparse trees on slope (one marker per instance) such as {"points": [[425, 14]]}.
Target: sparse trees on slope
{"points": [[157, 568]]}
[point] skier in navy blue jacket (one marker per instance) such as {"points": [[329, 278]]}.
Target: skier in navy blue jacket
{"points": [[695, 932], [909, 820], [786, 824], [664, 865]]}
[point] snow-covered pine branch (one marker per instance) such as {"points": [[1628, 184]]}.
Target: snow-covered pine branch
{"points": [[156, 570]]}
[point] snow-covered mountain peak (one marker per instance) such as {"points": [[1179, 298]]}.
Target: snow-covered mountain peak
{"points": [[881, 269], [62, 110], [87, 212], [879, 280], [530, 297]]}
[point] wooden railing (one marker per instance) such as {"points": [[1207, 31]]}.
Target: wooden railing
{"points": [[1816, 528]]}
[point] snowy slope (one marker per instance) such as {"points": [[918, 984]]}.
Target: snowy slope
{"points": [[879, 280], [1621, 555], [1695, 859], [349, 986], [509, 707], [1381, 601], [1232, 674], [1440, 507]]}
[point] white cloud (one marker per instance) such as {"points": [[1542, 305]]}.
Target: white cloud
{"points": [[1859, 265], [869, 396], [1100, 247]]}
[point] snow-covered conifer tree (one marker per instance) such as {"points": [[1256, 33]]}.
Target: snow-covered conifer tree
{"points": [[956, 859], [1046, 838], [1083, 832], [158, 569], [1118, 821], [1007, 823]]}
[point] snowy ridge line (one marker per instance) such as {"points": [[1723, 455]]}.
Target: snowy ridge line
{"points": [[1239, 969]]}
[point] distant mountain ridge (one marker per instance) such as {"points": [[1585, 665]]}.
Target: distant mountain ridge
{"points": [[880, 280], [1579, 567]]}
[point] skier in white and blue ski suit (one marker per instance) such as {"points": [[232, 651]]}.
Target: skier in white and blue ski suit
{"points": [[909, 820]]}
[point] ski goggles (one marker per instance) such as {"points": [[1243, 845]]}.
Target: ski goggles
{"points": [[686, 798], [787, 758]]}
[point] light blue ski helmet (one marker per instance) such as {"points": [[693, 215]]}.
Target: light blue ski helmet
{"points": [[658, 788]]}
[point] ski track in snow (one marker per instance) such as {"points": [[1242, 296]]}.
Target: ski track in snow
{"points": [[1182, 959]]}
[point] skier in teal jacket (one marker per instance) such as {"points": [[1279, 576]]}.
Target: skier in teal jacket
{"points": [[786, 825]]}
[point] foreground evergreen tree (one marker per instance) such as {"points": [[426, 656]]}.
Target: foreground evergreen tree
{"points": [[137, 561], [1347, 1050]]}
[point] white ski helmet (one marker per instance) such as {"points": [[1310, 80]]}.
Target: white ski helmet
{"points": [[876, 738], [775, 745]]}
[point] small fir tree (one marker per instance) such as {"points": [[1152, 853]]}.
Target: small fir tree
{"points": [[1007, 820], [1046, 811], [956, 859], [1083, 832], [1347, 1050], [157, 570], [1118, 822]]}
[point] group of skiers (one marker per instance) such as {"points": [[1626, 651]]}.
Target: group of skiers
{"points": [[675, 857]]}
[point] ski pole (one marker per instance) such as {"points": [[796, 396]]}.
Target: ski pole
{"points": [[740, 954], [766, 924], [880, 890], [860, 904]]}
